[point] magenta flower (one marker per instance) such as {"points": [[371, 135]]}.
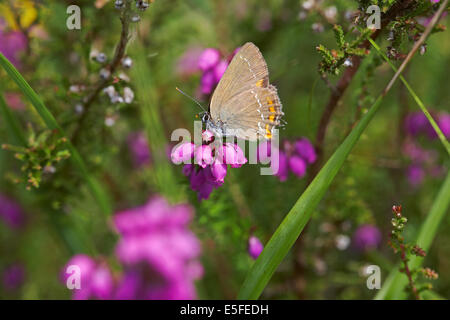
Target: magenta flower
{"points": [[255, 247], [96, 281], [283, 166], [218, 171], [158, 252], [444, 124], [207, 82], [183, 153], [12, 44], [219, 70], [210, 163], [139, 148], [203, 155], [13, 277], [416, 123], [297, 166], [209, 58], [208, 62], [11, 212], [294, 157], [305, 149], [188, 63], [366, 237]]}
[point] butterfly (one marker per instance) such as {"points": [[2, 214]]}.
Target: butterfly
{"points": [[244, 103]]}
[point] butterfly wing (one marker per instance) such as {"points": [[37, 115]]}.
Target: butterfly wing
{"points": [[244, 102], [258, 112]]}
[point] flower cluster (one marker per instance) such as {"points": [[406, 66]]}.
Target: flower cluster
{"points": [[158, 254], [209, 62], [416, 123], [422, 161], [407, 250], [295, 156], [366, 237], [12, 43], [211, 160], [96, 281]]}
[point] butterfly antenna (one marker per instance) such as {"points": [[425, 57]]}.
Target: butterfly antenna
{"points": [[185, 94]]}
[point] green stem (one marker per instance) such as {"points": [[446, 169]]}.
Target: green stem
{"points": [[97, 190]]}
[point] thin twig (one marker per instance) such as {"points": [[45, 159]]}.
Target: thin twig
{"points": [[111, 67], [397, 9], [417, 45], [343, 83], [408, 273]]}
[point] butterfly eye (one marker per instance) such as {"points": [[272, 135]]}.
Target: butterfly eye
{"points": [[205, 117]]}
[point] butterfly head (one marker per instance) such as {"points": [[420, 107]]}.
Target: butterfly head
{"points": [[205, 116]]}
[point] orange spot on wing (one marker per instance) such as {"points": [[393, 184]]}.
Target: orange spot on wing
{"points": [[272, 109], [259, 83]]}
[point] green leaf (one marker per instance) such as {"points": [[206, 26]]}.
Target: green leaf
{"points": [[12, 124], [97, 190], [293, 224], [419, 102], [151, 118], [396, 281]]}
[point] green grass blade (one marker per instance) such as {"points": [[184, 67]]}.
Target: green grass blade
{"points": [[97, 190], [396, 281], [12, 124], [419, 102], [151, 118], [293, 224]]}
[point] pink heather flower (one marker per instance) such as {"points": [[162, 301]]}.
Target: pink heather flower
{"points": [[210, 165], [11, 212], [264, 151], [203, 181], [218, 171], [203, 155], [207, 136], [139, 148], [183, 153], [305, 149], [187, 64], [297, 166], [12, 44], [157, 250], [294, 157], [207, 82], [416, 123], [255, 247], [415, 174], [13, 277], [283, 166], [434, 1], [96, 281], [219, 70], [208, 59], [366, 237], [232, 155], [444, 124]]}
